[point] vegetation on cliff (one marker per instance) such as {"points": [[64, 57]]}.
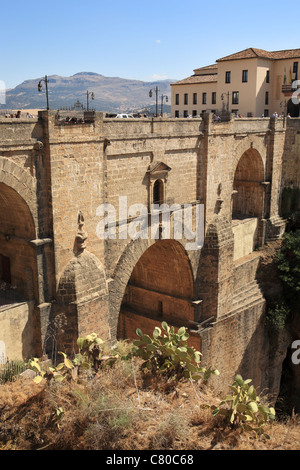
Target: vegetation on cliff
{"points": [[119, 399]]}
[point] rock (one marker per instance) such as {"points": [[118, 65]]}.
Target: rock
{"points": [[28, 373]]}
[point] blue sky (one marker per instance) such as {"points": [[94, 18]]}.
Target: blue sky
{"points": [[134, 39]]}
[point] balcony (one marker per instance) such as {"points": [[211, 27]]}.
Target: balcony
{"points": [[288, 89]]}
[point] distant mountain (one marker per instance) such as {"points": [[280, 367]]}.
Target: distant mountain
{"points": [[112, 94]]}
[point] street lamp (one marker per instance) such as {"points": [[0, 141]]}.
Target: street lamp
{"points": [[40, 89], [162, 103], [156, 92], [88, 93], [223, 98], [283, 104]]}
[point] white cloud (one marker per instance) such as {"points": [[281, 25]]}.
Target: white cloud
{"points": [[157, 76], [158, 41]]}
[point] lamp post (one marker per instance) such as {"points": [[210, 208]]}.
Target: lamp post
{"points": [[156, 92], [88, 93], [222, 98], [283, 104], [162, 103], [40, 89]]}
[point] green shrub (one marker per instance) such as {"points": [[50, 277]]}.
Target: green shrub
{"points": [[288, 264], [90, 356], [92, 353], [167, 353], [243, 408], [277, 314], [44, 371]]}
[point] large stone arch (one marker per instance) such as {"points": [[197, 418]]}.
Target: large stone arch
{"points": [[14, 176], [17, 229], [19, 287], [131, 264]]}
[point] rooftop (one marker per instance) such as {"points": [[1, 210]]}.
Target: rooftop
{"points": [[197, 79], [253, 53]]}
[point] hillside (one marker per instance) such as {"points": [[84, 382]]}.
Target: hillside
{"points": [[112, 94], [120, 408]]}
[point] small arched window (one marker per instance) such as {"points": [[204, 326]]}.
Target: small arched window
{"points": [[158, 192]]}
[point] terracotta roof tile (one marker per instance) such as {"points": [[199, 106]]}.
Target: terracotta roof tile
{"points": [[253, 53], [206, 70], [287, 54], [197, 79]]}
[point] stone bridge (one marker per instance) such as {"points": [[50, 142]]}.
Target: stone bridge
{"points": [[82, 250]]}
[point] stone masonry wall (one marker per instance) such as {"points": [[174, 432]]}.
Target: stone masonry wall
{"points": [[61, 170]]}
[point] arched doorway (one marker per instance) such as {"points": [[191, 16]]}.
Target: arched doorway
{"points": [[160, 287], [248, 202]]}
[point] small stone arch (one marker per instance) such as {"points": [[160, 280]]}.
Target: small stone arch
{"points": [[247, 187], [248, 203], [81, 303], [84, 276], [255, 143]]}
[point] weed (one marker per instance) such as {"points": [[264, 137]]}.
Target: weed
{"points": [[11, 369]]}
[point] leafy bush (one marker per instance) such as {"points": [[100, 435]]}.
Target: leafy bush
{"points": [[288, 263], [168, 354], [277, 314], [90, 356], [47, 372], [243, 408], [91, 352]]}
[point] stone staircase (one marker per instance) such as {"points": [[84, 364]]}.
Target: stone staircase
{"points": [[275, 228], [246, 296]]}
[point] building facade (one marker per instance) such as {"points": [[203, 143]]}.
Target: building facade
{"points": [[250, 83]]}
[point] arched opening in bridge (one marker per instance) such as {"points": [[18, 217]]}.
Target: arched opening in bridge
{"points": [[19, 323], [17, 256], [293, 109], [248, 201], [160, 288]]}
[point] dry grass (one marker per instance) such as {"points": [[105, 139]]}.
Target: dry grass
{"points": [[119, 410]]}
